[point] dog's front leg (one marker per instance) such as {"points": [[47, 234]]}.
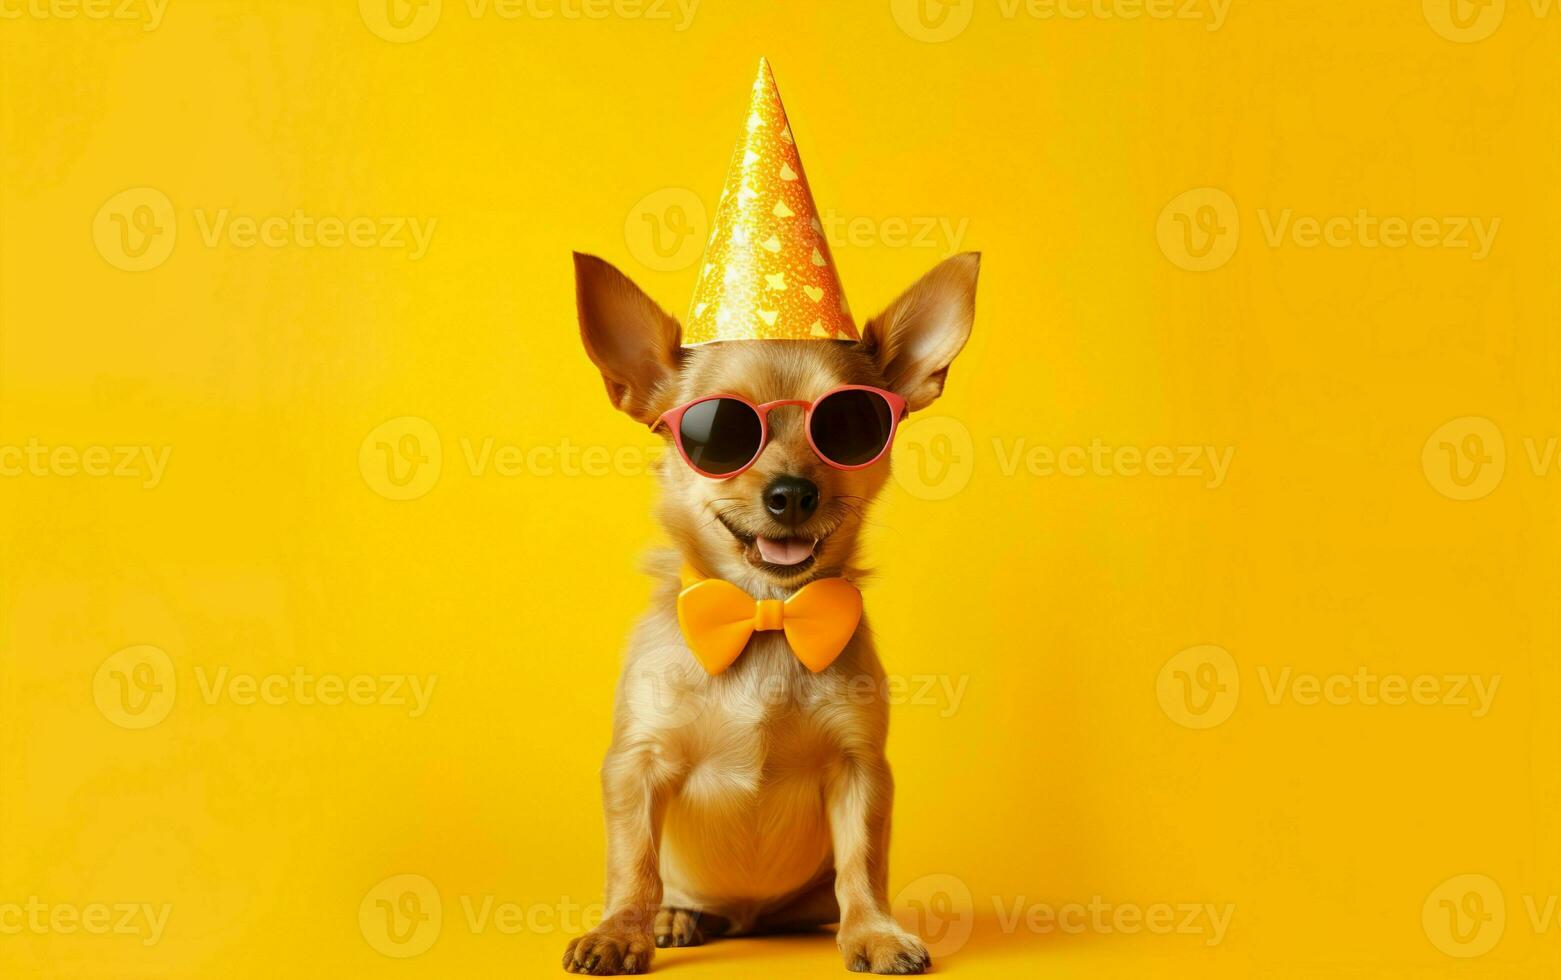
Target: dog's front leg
{"points": [[634, 793], [859, 798]]}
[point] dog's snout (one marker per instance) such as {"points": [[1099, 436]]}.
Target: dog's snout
{"points": [[791, 499]]}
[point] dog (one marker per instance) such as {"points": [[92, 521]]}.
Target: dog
{"points": [[756, 799]]}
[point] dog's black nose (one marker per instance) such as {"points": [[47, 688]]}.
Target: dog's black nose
{"points": [[791, 499]]}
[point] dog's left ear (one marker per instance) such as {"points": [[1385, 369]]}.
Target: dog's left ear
{"points": [[631, 340], [916, 339]]}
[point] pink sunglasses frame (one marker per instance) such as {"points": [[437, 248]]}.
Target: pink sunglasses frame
{"points": [[673, 419]]}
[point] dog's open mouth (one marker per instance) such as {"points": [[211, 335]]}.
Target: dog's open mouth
{"points": [[785, 551], [781, 557]]}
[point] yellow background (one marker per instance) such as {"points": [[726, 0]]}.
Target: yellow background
{"points": [[1067, 770]]}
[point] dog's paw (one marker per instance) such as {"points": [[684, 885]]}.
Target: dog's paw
{"points": [[678, 927], [883, 949], [607, 951]]}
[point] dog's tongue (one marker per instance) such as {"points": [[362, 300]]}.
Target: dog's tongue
{"points": [[784, 551]]}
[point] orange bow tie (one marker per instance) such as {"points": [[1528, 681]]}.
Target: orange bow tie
{"points": [[717, 619]]}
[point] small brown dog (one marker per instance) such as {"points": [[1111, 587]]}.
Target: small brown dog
{"points": [[758, 798]]}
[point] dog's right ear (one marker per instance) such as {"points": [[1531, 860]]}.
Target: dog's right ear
{"points": [[916, 339], [631, 340]]}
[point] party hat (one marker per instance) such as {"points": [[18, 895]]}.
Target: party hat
{"points": [[767, 273]]}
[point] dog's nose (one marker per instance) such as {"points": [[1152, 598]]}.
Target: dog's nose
{"points": [[791, 499]]}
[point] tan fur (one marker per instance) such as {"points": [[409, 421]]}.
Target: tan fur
{"points": [[757, 799]]}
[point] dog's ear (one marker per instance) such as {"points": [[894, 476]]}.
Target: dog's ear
{"points": [[916, 338], [631, 340]]}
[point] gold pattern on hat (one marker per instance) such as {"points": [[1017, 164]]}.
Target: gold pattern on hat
{"points": [[767, 273]]}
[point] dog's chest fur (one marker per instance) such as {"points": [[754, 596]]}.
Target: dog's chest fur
{"points": [[751, 752]]}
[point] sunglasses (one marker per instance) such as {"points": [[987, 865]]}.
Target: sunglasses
{"points": [[849, 428]]}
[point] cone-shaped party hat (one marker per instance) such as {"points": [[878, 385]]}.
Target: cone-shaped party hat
{"points": [[767, 273]]}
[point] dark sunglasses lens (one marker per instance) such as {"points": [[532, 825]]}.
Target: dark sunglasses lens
{"points": [[720, 435], [851, 427]]}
